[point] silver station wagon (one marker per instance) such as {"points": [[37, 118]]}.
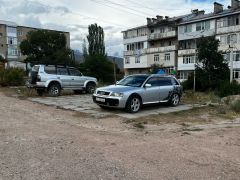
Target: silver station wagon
{"points": [[136, 90]]}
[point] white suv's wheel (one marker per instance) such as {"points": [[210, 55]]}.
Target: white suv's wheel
{"points": [[54, 89]]}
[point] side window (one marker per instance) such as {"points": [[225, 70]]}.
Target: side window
{"points": [[74, 72], [153, 81], [62, 71], [50, 69], [165, 81]]}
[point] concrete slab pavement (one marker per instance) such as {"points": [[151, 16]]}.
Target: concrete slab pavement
{"points": [[83, 103]]}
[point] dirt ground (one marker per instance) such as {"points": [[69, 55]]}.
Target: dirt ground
{"points": [[43, 142]]}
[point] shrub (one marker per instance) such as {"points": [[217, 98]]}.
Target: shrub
{"points": [[226, 88], [236, 106], [12, 77]]}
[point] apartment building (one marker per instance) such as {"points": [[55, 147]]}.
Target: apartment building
{"points": [[155, 43], [228, 33], [176, 38], [11, 36]]}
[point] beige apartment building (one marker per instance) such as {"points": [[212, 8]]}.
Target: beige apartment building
{"points": [[11, 36]]}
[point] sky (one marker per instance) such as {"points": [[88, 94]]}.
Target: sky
{"points": [[114, 16]]}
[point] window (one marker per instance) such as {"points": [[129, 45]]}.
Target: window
{"points": [[137, 59], [152, 30], [188, 59], [12, 51], [165, 81], [203, 26], [62, 71], [236, 56], [12, 40], [127, 60], [154, 82], [184, 74], [50, 69], [188, 28], [20, 33], [167, 57], [74, 72], [156, 58], [162, 30]]}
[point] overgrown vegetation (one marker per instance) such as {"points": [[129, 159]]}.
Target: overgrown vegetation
{"points": [[12, 77], [211, 69]]}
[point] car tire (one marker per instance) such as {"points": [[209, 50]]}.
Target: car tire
{"points": [[175, 99], [40, 92], [90, 88], [134, 104], [54, 90]]}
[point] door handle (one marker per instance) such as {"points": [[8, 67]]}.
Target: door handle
{"points": [[58, 77], [73, 79]]}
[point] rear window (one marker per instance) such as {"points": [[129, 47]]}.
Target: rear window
{"points": [[74, 72], [50, 69], [62, 71]]}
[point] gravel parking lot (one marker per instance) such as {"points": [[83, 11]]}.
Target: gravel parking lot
{"points": [[45, 142], [83, 103]]}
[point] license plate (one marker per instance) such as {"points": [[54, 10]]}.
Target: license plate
{"points": [[100, 99]]}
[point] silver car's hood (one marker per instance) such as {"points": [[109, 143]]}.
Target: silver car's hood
{"points": [[117, 88]]}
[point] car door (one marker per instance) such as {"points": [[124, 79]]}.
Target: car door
{"points": [[77, 80], [166, 87], [63, 76], [151, 91]]}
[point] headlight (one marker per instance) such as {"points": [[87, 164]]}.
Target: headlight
{"points": [[116, 94]]}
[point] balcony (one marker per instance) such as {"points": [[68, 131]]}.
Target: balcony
{"points": [[161, 49], [186, 52], [229, 29], [157, 36]]}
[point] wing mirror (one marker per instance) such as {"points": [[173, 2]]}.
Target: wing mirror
{"points": [[148, 85]]}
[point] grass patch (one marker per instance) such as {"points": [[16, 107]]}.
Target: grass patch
{"points": [[139, 125]]}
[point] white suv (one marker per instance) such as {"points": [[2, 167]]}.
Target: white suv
{"points": [[54, 78]]}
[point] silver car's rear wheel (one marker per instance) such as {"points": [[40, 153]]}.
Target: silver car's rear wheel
{"points": [[54, 90], [175, 100], [134, 104]]}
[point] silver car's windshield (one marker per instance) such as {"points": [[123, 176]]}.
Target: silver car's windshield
{"points": [[134, 81]]}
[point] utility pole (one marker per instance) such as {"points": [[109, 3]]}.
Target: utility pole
{"points": [[231, 63], [114, 71]]}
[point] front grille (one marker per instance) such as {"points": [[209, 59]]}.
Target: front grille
{"points": [[103, 93]]}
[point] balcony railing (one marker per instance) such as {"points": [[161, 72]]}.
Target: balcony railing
{"points": [[229, 29], [150, 50], [186, 52], [162, 35]]}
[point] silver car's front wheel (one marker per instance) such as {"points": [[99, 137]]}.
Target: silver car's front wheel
{"points": [[133, 104]]}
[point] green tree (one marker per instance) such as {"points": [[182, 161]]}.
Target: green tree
{"points": [[84, 49], [95, 40], [96, 63], [212, 69], [2, 60], [46, 47]]}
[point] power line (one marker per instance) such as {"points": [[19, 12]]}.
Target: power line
{"points": [[127, 7], [116, 8], [84, 16]]}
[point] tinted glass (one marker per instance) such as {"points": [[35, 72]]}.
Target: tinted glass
{"points": [[62, 71], [74, 72], [175, 82], [50, 69], [165, 82], [135, 81], [154, 82]]}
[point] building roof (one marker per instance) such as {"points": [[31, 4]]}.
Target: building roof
{"points": [[209, 16], [135, 28]]}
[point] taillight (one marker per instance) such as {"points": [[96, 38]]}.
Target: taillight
{"points": [[38, 78]]}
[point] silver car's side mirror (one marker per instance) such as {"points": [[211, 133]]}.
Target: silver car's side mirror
{"points": [[148, 85]]}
